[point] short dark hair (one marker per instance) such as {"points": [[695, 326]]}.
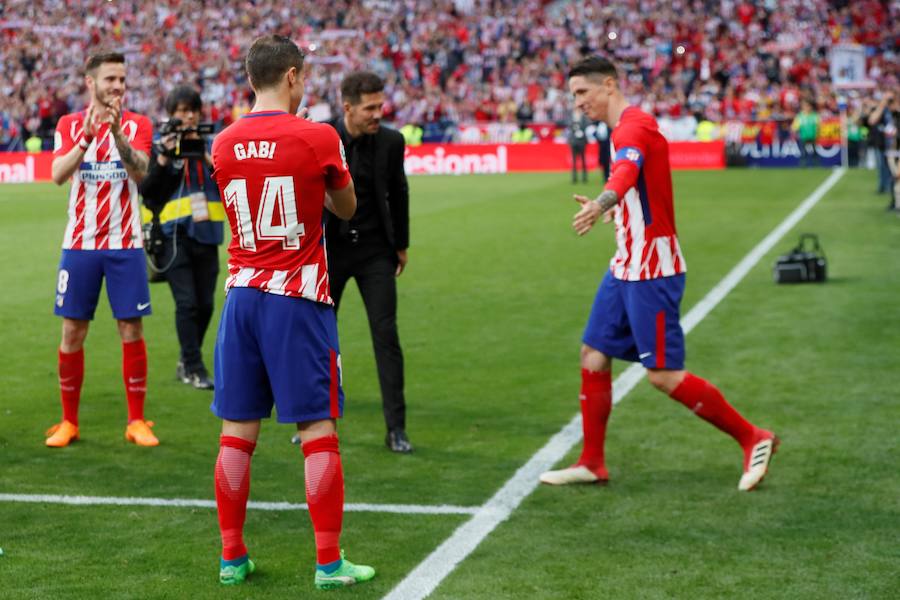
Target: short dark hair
{"points": [[183, 94], [594, 66], [358, 83], [95, 60], [269, 58]]}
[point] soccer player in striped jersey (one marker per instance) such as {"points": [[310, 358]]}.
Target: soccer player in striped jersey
{"points": [[635, 316], [104, 150], [277, 342]]}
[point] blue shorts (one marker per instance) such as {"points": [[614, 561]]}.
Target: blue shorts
{"points": [[639, 321], [80, 277], [277, 350]]}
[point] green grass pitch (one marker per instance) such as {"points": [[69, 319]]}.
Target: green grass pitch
{"points": [[491, 310]]}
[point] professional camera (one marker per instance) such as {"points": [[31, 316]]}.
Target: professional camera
{"points": [[185, 147]]}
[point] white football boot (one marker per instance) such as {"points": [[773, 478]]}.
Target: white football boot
{"points": [[757, 464], [573, 474]]}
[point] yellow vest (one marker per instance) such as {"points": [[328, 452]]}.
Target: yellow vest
{"points": [[412, 134], [33, 144], [707, 131], [522, 136], [178, 208]]}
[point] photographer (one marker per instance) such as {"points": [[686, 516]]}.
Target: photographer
{"points": [[180, 192]]}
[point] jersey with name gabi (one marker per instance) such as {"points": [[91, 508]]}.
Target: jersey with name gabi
{"points": [[646, 240], [104, 207], [273, 169]]}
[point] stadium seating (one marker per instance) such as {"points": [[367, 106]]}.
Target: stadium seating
{"points": [[446, 62]]}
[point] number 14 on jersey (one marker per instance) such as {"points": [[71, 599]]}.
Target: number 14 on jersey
{"points": [[277, 199]]}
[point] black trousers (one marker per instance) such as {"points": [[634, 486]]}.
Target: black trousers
{"points": [[807, 153], [603, 157], [192, 279], [579, 153], [372, 262]]}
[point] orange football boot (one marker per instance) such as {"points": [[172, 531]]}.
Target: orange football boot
{"points": [[62, 434], [138, 432]]}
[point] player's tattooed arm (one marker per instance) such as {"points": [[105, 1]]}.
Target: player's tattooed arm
{"points": [[137, 163], [607, 200]]}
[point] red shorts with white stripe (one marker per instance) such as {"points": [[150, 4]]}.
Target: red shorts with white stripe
{"points": [[639, 321], [277, 350]]}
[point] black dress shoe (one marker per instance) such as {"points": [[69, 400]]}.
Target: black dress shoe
{"points": [[396, 441], [180, 373], [200, 380]]}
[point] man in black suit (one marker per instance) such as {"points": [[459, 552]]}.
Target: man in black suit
{"points": [[371, 247]]}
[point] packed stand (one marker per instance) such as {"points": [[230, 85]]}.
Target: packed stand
{"points": [[448, 62]]}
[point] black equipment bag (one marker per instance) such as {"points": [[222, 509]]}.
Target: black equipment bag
{"points": [[805, 263]]}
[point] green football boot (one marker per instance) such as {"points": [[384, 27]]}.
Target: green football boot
{"points": [[345, 575], [233, 572]]}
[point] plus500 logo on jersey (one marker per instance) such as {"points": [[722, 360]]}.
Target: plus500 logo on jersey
{"points": [[102, 171]]}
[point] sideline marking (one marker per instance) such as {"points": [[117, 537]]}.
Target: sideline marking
{"points": [[405, 509], [429, 573]]}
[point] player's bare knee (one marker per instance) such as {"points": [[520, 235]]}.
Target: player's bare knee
{"points": [[74, 332], [310, 430], [246, 430], [131, 330], [594, 360], [664, 380], [657, 380]]}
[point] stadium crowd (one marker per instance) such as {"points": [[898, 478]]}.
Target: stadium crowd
{"points": [[448, 61]]}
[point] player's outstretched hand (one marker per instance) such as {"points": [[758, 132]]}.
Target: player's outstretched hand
{"points": [[586, 217]]}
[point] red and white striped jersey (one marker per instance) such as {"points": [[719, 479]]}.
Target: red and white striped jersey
{"points": [[272, 169], [647, 243], [104, 207]]}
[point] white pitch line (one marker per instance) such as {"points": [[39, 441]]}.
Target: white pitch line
{"points": [[422, 580], [405, 509]]}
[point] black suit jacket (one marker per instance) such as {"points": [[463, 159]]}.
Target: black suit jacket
{"points": [[391, 187]]}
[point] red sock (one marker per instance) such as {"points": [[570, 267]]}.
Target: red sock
{"points": [[325, 495], [596, 402], [71, 376], [707, 402], [134, 373], [232, 491]]}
